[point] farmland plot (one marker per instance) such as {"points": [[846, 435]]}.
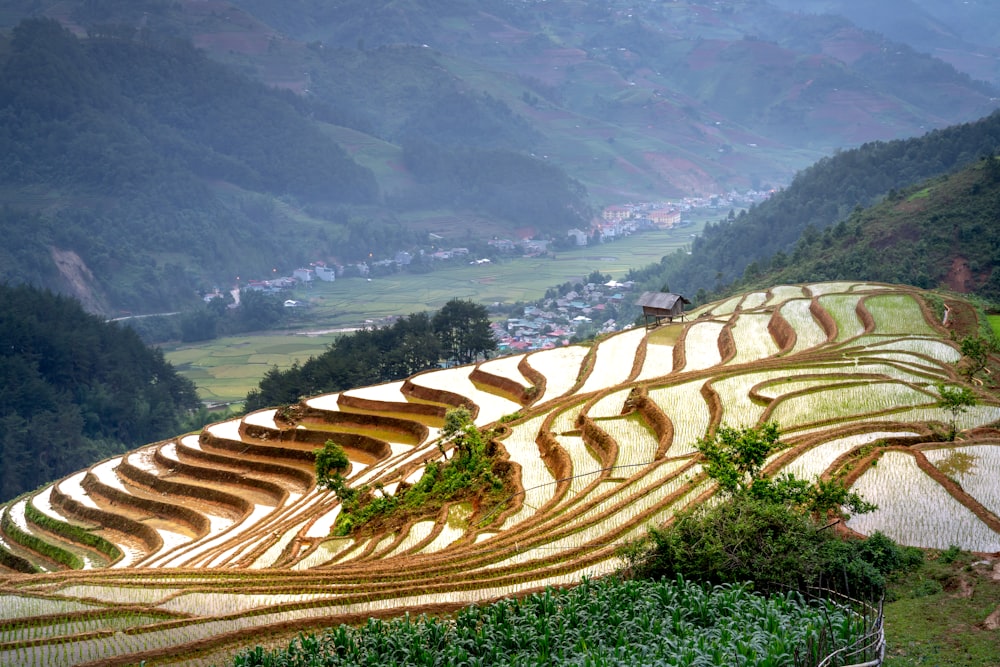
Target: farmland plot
{"points": [[783, 293], [808, 332], [846, 401], [975, 467], [687, 409], [752, 338], [817, 459], [914, 509], [701, 346], [198, 565], [898, 313], [637, 444], [843, 310], [615, 357], [560, 366]]}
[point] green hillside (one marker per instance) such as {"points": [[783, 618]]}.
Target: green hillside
{"points": [[76, 389], [824, 196], [940, 233]]}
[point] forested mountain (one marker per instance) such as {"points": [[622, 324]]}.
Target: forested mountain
{"points": [[153, 148], [75, 389], [939, 233], [822, 195]]}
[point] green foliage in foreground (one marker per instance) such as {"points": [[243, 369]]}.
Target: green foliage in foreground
{"points": [[748, 539], [769, 531], [609, 622]]}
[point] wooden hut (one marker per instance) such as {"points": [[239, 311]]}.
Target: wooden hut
{"points": [[659, 306]]}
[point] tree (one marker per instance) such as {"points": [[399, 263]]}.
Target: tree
{"points": [[955, 401], [735, 459], [463, 327], [978, 350], [330, 464], [735, 456]]}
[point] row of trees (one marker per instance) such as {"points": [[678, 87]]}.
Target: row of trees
{"points": [[458, 333]]}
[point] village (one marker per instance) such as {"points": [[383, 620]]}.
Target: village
{"points": [[574, 311]]}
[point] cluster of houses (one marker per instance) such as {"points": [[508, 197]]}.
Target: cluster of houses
{"points": [[554, 321]]}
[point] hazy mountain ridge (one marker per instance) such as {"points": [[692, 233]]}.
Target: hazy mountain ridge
{"points": [[582, 103]]}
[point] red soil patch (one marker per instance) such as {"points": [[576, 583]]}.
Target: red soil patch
{"points": [[705, 54], [680, 172], [959, 277]]}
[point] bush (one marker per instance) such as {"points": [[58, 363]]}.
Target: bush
{"points": [[771, 545]]}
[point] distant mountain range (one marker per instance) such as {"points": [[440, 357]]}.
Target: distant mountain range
{"points": [[151, 170]]}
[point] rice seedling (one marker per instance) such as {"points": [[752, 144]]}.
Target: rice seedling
{"points": [[819, 289], [637, 444], [701, 346], [327, 551], [842, 308], [615, 357], [898, 313], [727, 307], [659, 360], [935, 348], [506, 367], [536, 478], [684, 404], [808, 332], [609, 405], [753, 300], [560, 366], [914, 509], [817, 459], [456, 380], [752, 338], [417, 533], [975, 468], [846, 401], [739, 410], [783, 293], [585, 465]]}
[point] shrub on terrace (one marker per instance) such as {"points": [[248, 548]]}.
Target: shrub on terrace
{"points": [[472, 470], [768, 531]]}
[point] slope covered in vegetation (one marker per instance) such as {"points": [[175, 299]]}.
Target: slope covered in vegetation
{"points": [[163, 171], [76, 389], [941, 232], [221, 536], [833, 189]]}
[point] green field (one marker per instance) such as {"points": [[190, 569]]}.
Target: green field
{"points": [[994, 323], [352, 301], [225, 369]]}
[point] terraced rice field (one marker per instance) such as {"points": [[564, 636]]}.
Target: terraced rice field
{"points": [[185, 548]]}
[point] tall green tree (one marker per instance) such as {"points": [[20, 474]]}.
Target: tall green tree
{"points": [[463, 327]]}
